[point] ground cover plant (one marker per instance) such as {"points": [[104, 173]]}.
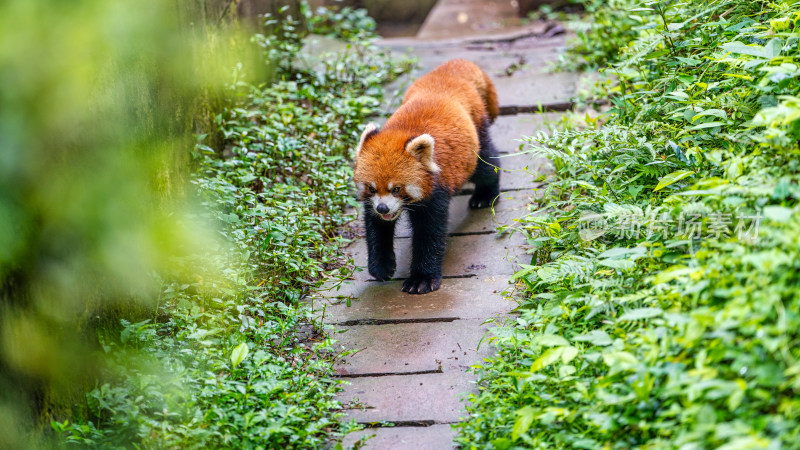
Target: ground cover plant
{"points": [[224, 353], [661, 307]]}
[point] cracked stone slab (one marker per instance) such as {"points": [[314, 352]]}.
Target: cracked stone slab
{"points": [[464, 298], [482, 254], [411, 347], [434, 437], [427, 398]]}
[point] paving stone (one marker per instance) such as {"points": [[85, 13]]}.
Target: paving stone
{"points": [[432, 397], [496, 63], [484, 254], [434, 437], [507, 131], [464, 298], [507, 207], [411, 347], [454, 18], [529, 91], [528, 87], [523, 171]]}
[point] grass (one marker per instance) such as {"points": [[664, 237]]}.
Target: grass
{"points": [[661, 304]]}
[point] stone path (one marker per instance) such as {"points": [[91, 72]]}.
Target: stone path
{"points": [[410, 374]]}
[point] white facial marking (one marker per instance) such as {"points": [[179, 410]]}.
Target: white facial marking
{"points": [[414, 191], [373, 185], [391, 185], [394, 204], [360, 186], [391, 201]]}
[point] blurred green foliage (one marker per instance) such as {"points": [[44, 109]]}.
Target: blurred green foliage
{"points": [[96, 115], [661, 308], [134, 264]]}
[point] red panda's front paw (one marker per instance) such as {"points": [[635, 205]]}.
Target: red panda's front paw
{"points": [[422, 284], [382, 271]]}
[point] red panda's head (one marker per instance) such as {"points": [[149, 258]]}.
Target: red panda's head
{"points": [[393, 168]]}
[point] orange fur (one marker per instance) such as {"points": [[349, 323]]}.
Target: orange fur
{"points": [[449, 103]]}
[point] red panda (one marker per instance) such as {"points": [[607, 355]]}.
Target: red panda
{"points": [[436, 141]]}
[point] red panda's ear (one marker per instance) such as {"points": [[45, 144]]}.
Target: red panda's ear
{"points": [[371, 128], [421, 147]]}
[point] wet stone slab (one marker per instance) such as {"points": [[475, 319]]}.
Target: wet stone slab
{"points": [[411, 347], [433, 437], [426, 399], [483, 254], [463, 298]]}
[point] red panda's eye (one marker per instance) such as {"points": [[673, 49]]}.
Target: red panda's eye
{"points": [[372, 190], [396, 190]]}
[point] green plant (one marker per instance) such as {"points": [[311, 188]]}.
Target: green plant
{"points": [[232, 357], [609, 27], [661, 303]]}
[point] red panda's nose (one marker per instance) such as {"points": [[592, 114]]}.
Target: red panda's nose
{"points": [[382, 208]]}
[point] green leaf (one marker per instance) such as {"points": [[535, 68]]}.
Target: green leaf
{"points": [[619, 264], [632, 253], [568, 354], [551, 340], [778, 213], [549, 357], [656, 54], [747, 443], [641, 313], [711, 112], [737, 395], [595, 337], [706, 125], [590, 234], [523, 422], [671, 178], [239, 354], [618, 361], [771, 50], [502, 443]]}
